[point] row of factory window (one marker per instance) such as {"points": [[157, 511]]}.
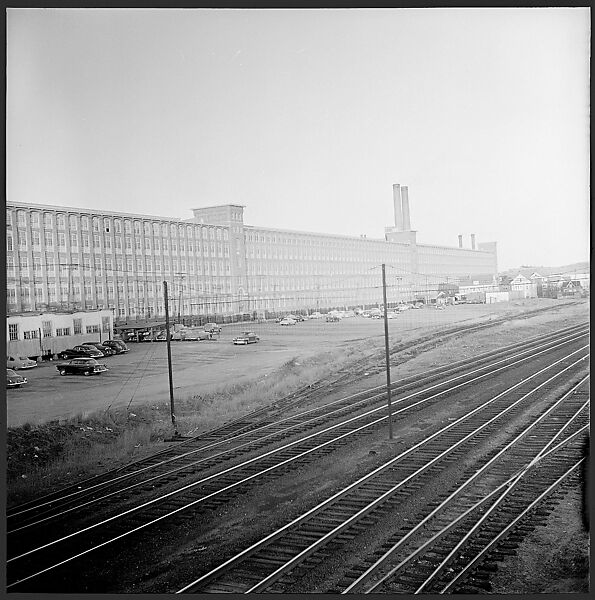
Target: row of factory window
{"points": [[84, 223], [48, 330], [128, 243], [325, 242], [71, 265]]}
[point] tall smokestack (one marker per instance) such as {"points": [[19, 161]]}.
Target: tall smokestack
{"points": [[460, 241], [405, 203], [472, 241], [398, 210]]}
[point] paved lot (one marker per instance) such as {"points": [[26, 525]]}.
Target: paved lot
{"points": [[141, 375]]}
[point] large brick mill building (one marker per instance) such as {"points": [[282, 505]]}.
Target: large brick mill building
{"points": [[72, 258]]}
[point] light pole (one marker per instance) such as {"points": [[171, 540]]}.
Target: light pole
{"points": [[390, 419]]}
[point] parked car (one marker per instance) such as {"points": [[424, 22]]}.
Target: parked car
{"points": [[287, 321], [80, 352], [392, 315], [333, 319], [81, 366], [105, 350], [212, 328], [194, 334], [247, 337], [316, 315], [118, 345], [19, 362], [14, 380]]}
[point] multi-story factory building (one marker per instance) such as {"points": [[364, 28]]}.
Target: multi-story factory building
{"points": [[71, 258]]}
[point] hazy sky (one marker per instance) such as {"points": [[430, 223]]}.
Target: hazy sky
{"points": [[307, 117]]}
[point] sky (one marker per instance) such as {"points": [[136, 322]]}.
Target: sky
{"points": [[308, 117]]}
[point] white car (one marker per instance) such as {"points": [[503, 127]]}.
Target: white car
{"points": [[19, 362], [287, 322]]}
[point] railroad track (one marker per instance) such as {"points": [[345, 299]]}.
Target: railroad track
{"points": [[39, 560], [446, 550], [509, 482], [241, 437]]}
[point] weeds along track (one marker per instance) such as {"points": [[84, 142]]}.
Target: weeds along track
{"points": [[243, 436], [36, 555], [162, 470], [465, 521]]}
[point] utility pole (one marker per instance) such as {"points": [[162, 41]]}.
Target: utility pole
{"points": [[390, 417], [171, 381]]}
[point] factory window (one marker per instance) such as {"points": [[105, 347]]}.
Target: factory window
{"points": [[34, 219], [106, 225], [22, 238], [46, 327], [137, 228], [95, 224], [62, 331], [163, 229], [93, 329], [127, 226], [77, 325], [85, 223], [33, 334], [74, 242], [21, 218], [9, 244], [47, 220], [48, 239], [72, 221], [156, 243], [117, 226], [155, 228]]}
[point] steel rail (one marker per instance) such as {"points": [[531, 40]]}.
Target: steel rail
{"points": [[55, 502], [513, 524], [52, 499], [543, 349], [233, 485], [387, 555], [460, 518], [515, 481], [277, 534]]}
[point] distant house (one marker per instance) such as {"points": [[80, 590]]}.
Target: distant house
{"points": [[523, 284]]}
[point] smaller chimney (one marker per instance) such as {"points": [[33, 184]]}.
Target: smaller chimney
{"points": [[460, 241], [472, 241]]}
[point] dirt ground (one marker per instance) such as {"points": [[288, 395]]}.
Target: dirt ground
{"points": [[140, 377], [553, 559]]}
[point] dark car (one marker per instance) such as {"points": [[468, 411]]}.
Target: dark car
{"points": [[248, 337], [81, 366], [80, 352], [14, 380], [105, 350], [118, 345]]}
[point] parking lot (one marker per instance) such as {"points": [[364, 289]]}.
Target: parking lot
{"points": [[140, 376]]}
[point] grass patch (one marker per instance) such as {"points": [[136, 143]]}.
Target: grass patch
{"points": [[44, 457]]}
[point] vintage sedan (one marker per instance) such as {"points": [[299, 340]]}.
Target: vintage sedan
{"points": [[247, 337], [287, 321], [105, 350], [14, 380], [81, 366], [80, 352], [118, 345], [19, 362]]}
